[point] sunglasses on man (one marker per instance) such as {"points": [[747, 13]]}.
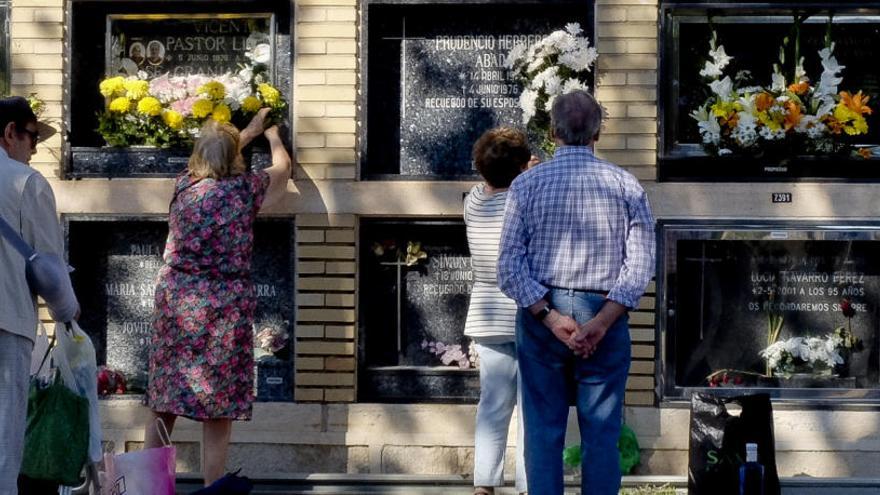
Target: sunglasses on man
{"points": [[35, 136]]}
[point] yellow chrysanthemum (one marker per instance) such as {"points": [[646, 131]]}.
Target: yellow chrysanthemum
{"points": [[112, 86], [221, 114], [149, 106], [270, 95], [172, 119], [136, 89], [202, 108], [251, 104], [214, 90], [120, 105]]}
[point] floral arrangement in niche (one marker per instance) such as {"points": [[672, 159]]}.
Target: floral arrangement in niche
{"points": [[110, 382], [168, 111], [411, 256], [794, 114], [270, 340], [452, 354], [557, 64], [814, 355], [818, 356]]}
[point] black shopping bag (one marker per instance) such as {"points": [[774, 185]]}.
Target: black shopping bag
{"points": [[718, 441]]}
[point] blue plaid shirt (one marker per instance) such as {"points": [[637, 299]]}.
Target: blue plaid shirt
{"points": [[576, 222]]}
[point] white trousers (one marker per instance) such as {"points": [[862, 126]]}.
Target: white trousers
{"points": [[499, 393], [15, 367]]}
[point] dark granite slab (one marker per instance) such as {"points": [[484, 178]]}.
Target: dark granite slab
{"points": [[117, 260]]}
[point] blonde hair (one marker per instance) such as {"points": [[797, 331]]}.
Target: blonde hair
{"points": [[216, 153]]}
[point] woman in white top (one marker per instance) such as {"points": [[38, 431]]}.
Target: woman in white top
{"points": [[499, 155]]}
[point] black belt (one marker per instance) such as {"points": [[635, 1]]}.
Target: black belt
{"points": [[587, 291]]}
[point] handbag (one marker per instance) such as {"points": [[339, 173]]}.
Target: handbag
{"points": [[48, 276], [56, 441], [717, 446], [144, 472]]}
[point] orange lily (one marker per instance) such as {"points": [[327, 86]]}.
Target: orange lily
{"points": [[834, 125], [793, 116], [799, 88], [858, 102], [864, 153], [764, 101]]}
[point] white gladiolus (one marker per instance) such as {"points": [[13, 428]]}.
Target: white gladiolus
{"points": [[720, 60], [723, 88], [777, 82]]}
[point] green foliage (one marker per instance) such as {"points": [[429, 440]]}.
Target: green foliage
{"points": [[627, 447]]}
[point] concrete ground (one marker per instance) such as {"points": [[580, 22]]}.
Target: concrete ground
{"points": [[454, 485]]}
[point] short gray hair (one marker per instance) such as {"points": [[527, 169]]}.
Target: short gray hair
{"points": [[576, 118]]}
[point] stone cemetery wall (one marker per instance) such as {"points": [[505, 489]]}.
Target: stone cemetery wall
{"points": [[327, 429]]}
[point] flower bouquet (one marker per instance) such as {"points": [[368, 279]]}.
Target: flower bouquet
{"points": [[450, 354], [412, 256], [270, 341], [168, 111], [795, 115], [557, 64], [818, 356]]}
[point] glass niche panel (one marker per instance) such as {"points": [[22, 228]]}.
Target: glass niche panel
{"points": [[435, 79], [789, 309], [151, 39], [414, 293], [117, 260], [686, 33]]}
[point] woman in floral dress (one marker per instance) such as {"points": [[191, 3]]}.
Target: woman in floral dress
{"points": [[201, 354]]}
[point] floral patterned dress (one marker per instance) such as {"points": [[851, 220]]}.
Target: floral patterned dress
{"points": [[201, 354]]}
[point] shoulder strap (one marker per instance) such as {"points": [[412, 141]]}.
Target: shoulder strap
{"points": [[17, 242]]}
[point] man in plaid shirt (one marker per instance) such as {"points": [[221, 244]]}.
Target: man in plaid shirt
{"points": [[577, 251]]}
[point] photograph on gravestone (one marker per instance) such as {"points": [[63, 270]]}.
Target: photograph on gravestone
{"points": [[117, 260], [184, 45], [148, 41], [436, 80], [782, 307], [773, 29], [414, 294]]}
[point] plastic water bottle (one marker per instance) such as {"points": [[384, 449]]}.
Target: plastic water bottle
{"points": [[751, 474]]}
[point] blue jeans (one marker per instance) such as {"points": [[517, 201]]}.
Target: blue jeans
{"points": [[550, 374], [499, 393]]}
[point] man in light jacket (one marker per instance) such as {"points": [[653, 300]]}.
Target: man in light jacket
{"points": [[28, 205]]}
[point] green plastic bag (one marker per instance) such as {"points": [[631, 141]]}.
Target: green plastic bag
{"points": [[56, 441], [627, 447]]}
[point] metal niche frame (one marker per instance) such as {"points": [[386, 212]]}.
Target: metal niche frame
{"points": [[671, 230], [675, 14], [5, 53], [372, 168]]}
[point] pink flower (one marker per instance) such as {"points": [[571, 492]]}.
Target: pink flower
{"points": [[184, 106]]}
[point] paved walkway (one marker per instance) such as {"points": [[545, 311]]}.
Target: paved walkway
{"points": [[455, 485]]}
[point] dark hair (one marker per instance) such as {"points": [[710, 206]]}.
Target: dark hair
{"points": [[16, 109], [576, 118], [501, 154]]}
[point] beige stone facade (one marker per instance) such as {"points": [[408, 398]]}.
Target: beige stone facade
{"points": [[325, 429]]}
